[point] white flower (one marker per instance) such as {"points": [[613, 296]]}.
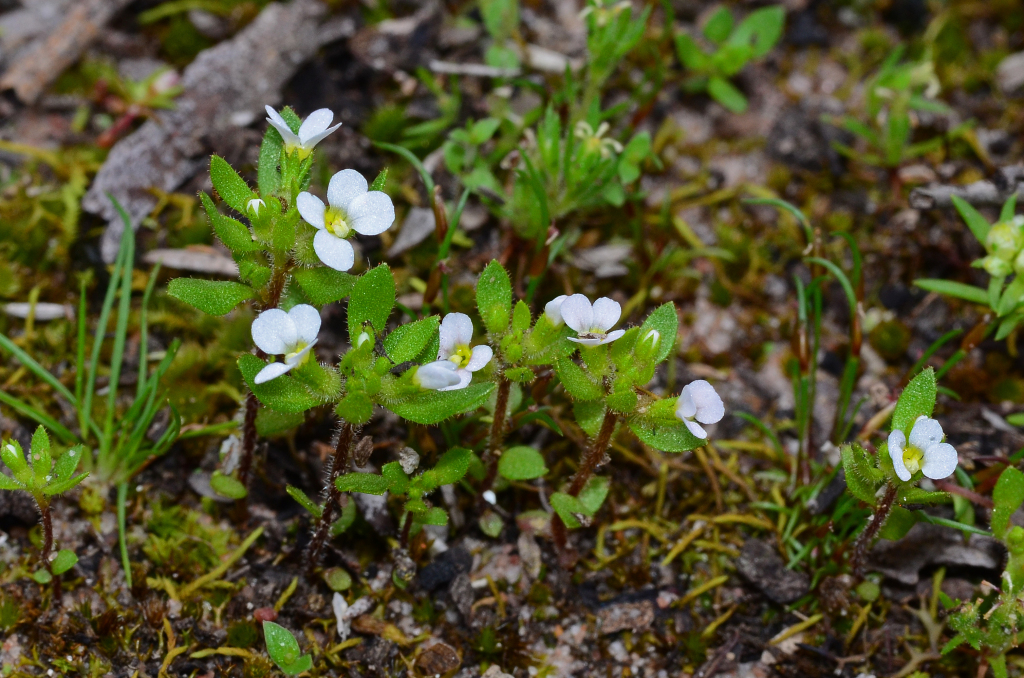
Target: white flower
{"points": [[553, 310], [352, 208], [596, 140], [290, 334], [254, 205], [490, 497], [436, 376], [926, 451], [591, 322], [312, 131], [699, 402], [456, 333]]}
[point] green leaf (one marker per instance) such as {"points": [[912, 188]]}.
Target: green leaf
{"points": [[665, 321], [483, 130], [690, 53], [519, 374], [227, 486], [954, 642], [435, 515], [898, 523], [970, 293], [567, 507], [303, 499], [271, 423], [719, 25], [494, 297], [521, 463], [593, 494], [664, 435], [234, 234], [576, 381], [62, 486], [396, 477], [491, 524], [216, 297], [324, 285], [998, 664], [231, 187], [13, 457], [589, 414], [68, 462], [42, 462], [284, 394], [450, 468], [363, 483], [725, 93], [42, 577], [9, 483], [917, 399], [356, 408], [1008, 495], [761, 30], [381, 181], [64, 561], [1009, 207], [408, 341], [284, 649], [521, 317], [975, 221], [431, 407], [268, 177], [373, 297], [337, 579]]}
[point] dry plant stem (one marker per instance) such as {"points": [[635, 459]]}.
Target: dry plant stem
{"points": [[867, 536], [339, 466], [590, 462], [497, 434]]}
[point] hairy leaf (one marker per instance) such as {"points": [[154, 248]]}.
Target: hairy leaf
{"points": [[216, 297]]}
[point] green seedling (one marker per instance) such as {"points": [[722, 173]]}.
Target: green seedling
{"points": [[44, 475], [732, 47], [284, 650]]}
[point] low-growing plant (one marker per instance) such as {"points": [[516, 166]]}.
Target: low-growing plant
{"points": [[43, 476], [732, 47], [284, 650]]}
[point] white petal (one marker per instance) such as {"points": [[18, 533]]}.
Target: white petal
{"points": [[316, 123], [275, 119], [939, 461], [926, 432], [696, 429], [587, 342], [685, 407], [334, 251], [897, 443], [307, 322], [274, 332], [317, 138], [708, 404], [553, 310], [481, 355], [612, 336], [578, 313], [371, 213], [311, 208], [456, 330], [436, 375], [294, 360], [345, 186], [606, 313], [465, 377], [272, 371]]}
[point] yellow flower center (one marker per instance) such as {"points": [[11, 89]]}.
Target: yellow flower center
{"points": [[334, 222], [461, 355], [298, 151], [912, 458], [289, 357]]}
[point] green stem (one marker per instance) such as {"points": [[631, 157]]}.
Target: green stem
{"points": [[122, 537]]}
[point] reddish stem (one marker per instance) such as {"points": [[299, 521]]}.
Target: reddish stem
{"points": [[339, 466], [497, 434], [867, 536]]}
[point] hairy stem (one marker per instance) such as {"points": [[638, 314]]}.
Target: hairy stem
{"points": [[47, 520], [406, 528], [591, 460], [332, 495], [867, 536], [248, 438], [497, 434]]}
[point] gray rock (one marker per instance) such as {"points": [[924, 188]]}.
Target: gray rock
{"points": [[1010, 73], [761, 565]]}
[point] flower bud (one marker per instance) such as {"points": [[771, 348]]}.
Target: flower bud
{"points": [[996, 267], [1004, 240], [254, 206], [436, 375], [362, 339]]}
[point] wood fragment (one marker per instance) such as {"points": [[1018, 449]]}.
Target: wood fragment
{"points": [[233, 79], [40, 65]]}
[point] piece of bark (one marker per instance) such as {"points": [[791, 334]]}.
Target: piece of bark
{"points": [[48, 57], [985, 193], [228, 82]]}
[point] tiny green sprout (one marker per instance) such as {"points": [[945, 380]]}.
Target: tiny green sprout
{"points": [[43, 477], [284, 650]]}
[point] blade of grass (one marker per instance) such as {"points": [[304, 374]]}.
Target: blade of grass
{"points": [[120, 335], [35, 368], [144, 331], [80, 353], [40, 417], [122, 537]]}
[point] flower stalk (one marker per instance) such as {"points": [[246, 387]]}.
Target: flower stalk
{"points": [[497, 434], [870, 531]]}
